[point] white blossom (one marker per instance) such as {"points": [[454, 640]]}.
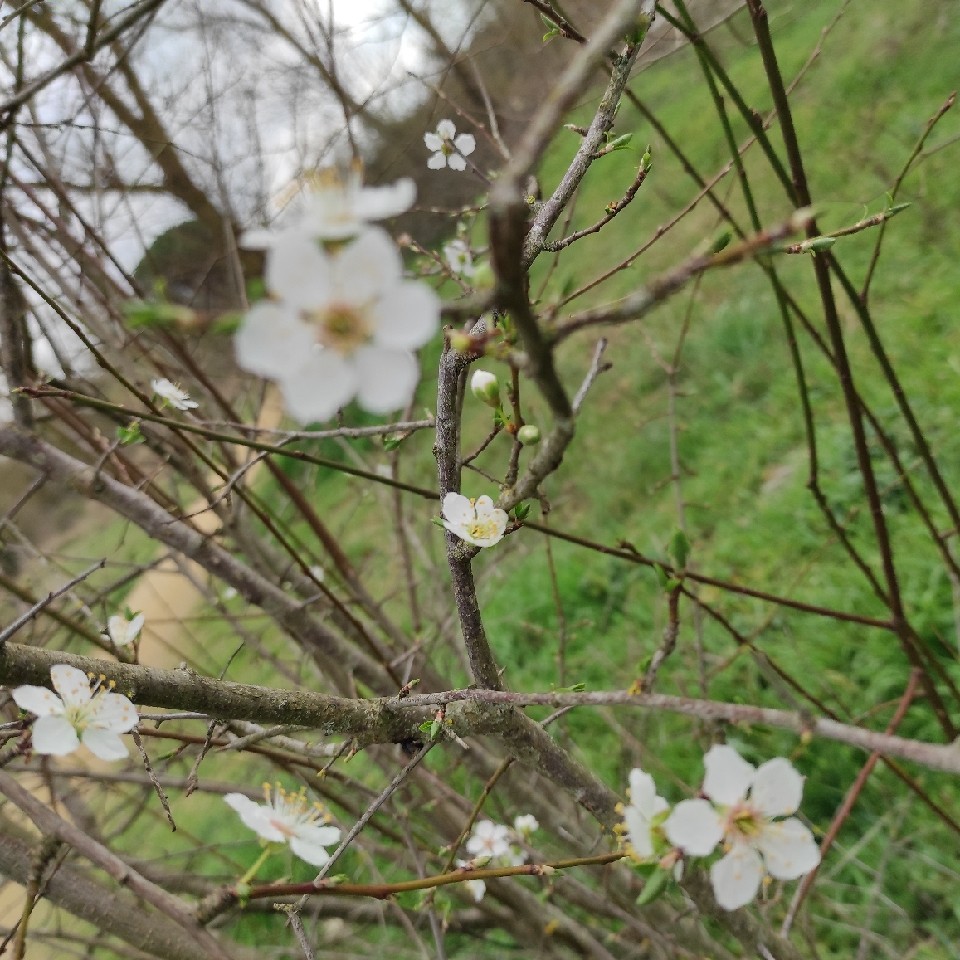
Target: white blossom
{"points": [[476, 888], [459, 258], [489, 840], [336, 207], [123, 631], [493, 844], [172, 395], [288, 818], [340, 325], [525, 824], [747, 800], [94, 717], [449, 148], [639, 814], [476, 521]]}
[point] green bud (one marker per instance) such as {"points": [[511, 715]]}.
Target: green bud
{"points": [[529, 434], [817, 244], [485, 388], [720, 241], [460, 342], [483, 278]]}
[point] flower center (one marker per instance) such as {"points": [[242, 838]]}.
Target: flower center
{"points": [[81, 714], [341, 327], [482, 528], [743, 821]]}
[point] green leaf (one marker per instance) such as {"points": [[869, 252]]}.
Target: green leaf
{"points": [[654, 887], [130, 434], [227, 323], [256, 289], [680, 549], [521, 511]]}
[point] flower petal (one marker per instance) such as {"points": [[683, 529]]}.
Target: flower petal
{"points": [[728, 776], [643, 790], [38, 700], [105, 744], [788, 848], [466, 143], [115, 712], [437, 161], [72, 684], [476, 889], [386, 379], [777, 788], [446, 129], [407, 318], [379, 203], [457, 508], [366, 269], [255, 816], [736, 878], [54, 736], [432, 141], [297, 269], [318, 388], [271, 341], [309, 841], [456, 162], [695, 827], [638, 831]]}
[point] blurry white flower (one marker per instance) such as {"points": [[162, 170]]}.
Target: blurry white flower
{"points": [[476, 888], [341, 325], [459, 258], [526, 824], [748, 799], [485, 388], [489, 839], [336, 207], [172, 395], [449, 149], [477, 521], [123, 631], [288, 818], [639, 814], [95, 718]]}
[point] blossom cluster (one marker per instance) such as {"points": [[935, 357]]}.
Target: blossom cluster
{"points": [[495, 845], [738, 811], [340, 322]]}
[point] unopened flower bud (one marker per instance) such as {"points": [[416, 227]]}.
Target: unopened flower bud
{"points": [[460, 342], [485, 388], [529, 434]]}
